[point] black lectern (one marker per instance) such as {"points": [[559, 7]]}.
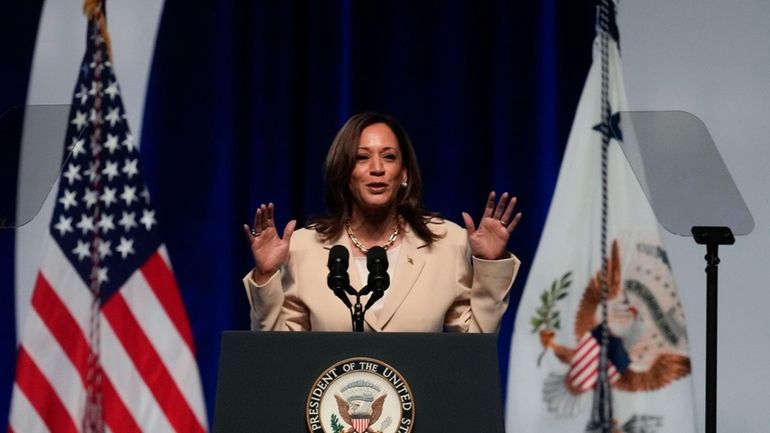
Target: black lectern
{"points": [[272, 381]]}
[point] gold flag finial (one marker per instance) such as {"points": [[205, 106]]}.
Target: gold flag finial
{"points": [[94, 11]]}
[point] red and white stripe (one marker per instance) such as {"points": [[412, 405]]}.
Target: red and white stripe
{"points": [[584, 367], [360, 424], [150, 377]]}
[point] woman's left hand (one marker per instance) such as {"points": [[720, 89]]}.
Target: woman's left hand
{"points": [[489, 240]]}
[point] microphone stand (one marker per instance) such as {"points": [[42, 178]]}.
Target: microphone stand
{"points": [[358, 310]]}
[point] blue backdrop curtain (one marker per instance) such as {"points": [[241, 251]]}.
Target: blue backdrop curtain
{"points": [[245, 97]]}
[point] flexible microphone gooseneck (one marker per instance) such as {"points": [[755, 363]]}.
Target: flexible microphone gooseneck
{"points": [[379, 280]]}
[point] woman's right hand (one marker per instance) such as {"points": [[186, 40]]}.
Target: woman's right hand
{"points": [[269, 250]]}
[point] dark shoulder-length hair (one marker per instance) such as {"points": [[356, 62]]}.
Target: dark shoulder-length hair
{"points": [[338, 168]]}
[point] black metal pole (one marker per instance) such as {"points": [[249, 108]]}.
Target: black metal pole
{"points": [[712, 237], [358, 315], [712, 270]]}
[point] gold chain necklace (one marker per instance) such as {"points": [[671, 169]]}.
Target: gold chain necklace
{"points": [[361, 246]]}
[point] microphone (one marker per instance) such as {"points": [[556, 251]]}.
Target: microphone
{"points": [[379, 280], [338, 279]]}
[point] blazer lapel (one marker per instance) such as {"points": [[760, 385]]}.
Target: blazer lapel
{"points": [[410, 264]]}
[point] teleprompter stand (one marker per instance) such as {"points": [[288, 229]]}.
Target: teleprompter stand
{"points": [[692, 193]]}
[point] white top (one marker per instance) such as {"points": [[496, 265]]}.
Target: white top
{"points": [[363, 272]]}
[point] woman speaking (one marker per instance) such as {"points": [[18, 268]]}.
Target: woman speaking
{"points": [[441, 276]]}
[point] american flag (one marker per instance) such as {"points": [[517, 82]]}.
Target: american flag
{"points": [[107, 345]]}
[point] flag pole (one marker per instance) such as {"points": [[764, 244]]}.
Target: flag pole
{"points": [[93, 417], [601, 413]]}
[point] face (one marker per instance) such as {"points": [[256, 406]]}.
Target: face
{"points": [[379, 169]]}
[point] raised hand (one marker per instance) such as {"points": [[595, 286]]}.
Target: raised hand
{"points": [[489, 240], [270, 251]]}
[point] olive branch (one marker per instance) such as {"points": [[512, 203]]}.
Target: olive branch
{"points": [[336, 426], [547, 316]]}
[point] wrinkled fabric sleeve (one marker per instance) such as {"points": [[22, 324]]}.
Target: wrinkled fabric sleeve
{"points": [[483, 288], [275, 305]]}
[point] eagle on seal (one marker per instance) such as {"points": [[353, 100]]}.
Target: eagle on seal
{"points": [[360, 415]]}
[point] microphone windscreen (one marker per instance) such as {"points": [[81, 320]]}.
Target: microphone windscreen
{"points": [[376, 256], [340, 254]]}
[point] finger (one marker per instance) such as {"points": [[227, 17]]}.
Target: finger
{"points": [[247, 232], [270, 213], [490, 205], [501, 206], [506, 218], [289, 230], [514, 223], [257, 227], [261, 223], [265, 215], [469, 226], [256, 217]]}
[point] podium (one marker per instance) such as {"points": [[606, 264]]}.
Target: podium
{"points": [[313, 382]]}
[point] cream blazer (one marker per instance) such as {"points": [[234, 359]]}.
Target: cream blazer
{"points": [[434, 288]]}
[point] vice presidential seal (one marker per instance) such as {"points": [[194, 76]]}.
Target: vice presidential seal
{"points": [[360, 395]]}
